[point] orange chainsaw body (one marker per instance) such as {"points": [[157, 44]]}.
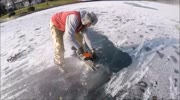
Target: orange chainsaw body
{"points": [[88, 55]]}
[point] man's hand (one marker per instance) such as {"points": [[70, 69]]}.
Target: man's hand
{"points": [[80, 51], [93, 53]]}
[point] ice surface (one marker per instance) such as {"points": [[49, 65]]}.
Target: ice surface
{"points": [[147, 31]]}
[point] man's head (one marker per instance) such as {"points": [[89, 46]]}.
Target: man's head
{"points": [[88, 18]]}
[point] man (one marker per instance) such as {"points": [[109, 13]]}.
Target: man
{"points": [[69, 30]]}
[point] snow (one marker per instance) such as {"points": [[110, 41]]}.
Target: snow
{"points": [[173, 90], [147, 31]]}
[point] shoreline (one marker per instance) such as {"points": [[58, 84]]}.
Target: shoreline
{"points": [[15, 17]]}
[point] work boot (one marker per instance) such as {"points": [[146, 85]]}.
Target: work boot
{"points": [[60, 66], [61, 69]]}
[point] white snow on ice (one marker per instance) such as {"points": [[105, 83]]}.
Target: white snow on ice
{"points": [[147, 31]]}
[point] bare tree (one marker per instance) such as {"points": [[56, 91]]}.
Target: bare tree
{"points": [[13, 3], [47, 2], [29, 2]]}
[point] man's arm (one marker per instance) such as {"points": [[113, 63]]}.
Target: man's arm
{"points": [[70, 30], [87, 39]]}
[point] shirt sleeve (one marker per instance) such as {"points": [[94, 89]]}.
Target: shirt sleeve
{"points": [[87, 39], [70, 30]]}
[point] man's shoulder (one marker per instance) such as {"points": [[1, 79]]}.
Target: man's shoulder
{"points": [[73, 17]]}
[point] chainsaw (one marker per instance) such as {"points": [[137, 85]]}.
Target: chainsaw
{"points": [[87, 57]]}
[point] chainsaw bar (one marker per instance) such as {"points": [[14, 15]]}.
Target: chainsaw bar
{"points": [[87, 60], [90, 64]]}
